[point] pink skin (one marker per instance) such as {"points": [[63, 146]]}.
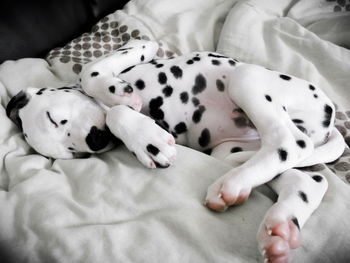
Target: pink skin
{"points": [[279, 240], [224, 200], [135, 101]]}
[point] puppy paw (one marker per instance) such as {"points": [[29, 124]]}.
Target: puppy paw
{"points": [[278, 236], [152, 145], [226, 191]]}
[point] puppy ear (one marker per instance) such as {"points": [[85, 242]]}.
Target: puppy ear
{"points": [[15, 104]]}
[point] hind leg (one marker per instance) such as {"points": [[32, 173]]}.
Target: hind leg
{"points": [[234, 153], [258, 92], [299, 194]]}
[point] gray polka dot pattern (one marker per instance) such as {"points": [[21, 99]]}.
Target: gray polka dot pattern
{"points": [[107, 35], [341, 167], [340, 5]]}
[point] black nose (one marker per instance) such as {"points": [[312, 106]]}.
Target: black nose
{"points": [[128, 89]]}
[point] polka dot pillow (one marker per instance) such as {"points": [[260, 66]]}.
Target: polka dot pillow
{"points": [[110, 33]]}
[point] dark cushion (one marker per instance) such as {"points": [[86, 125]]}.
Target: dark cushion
{"points": [[32, 28]]}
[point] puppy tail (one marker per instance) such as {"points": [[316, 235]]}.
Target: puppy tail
{"points": [[328, 152]]}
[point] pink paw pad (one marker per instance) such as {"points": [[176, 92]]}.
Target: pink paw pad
{"points": [[279, 240]]}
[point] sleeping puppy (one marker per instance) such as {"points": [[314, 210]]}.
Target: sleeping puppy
{"points": [[264, 123]]}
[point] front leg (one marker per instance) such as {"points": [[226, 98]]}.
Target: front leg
{"points": [[99, 78], [153, 146]]}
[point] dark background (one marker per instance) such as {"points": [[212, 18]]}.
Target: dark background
{"points": [[31, 28]]}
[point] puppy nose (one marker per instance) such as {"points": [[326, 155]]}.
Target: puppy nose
{"points": [[128, 89]]}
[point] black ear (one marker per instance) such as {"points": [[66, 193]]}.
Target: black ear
{"points": [[98, 139], [16, 103]]}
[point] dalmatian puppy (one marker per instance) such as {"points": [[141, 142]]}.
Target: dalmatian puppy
{"points": [[264, 123]]}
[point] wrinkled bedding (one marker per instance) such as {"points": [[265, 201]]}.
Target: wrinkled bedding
{"points": [[109, 208]]}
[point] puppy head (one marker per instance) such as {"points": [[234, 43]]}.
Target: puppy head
{"points": [[60, 122]]}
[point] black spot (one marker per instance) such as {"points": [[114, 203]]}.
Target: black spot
{"points": [[208, 151], [15, 104], [302, 129], [197, 115], [303, 196], [196, 58], [231, 62], [301, 143], [162, 78], [200, 84], [152, 149], [268, 98], [125, 52], [195, 101], [125, 48], [177, 71], [284, 108], [142, 58], [315, 96], [216, 55], [204, 139], [317, 178], [220, 85], [311, 87], [71, 148], [140, 84], [328, 115], [184, 97], [111, 89], [41, 91], [51, 120], [65, 88], [68, 134], [128, 89], [236, 149], [283, 154], [159, 65], [285, 77], [180, 128], [153, 62], [298, 121], [25, 135], [94, 74], [98, 139], [154, 108], [296, 222], [127, 69], [63, 122], [167, 91], [189, 62], [215, 62], [158, 165]]}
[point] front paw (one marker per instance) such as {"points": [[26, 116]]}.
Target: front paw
{"points": [[159, 154], [153, 146]]}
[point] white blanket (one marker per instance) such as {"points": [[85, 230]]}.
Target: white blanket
{"points": [[109, 208]]}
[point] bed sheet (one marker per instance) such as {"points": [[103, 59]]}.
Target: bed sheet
{"points": [[109, 208]]}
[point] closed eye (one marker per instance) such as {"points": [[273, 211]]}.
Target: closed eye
{"points": [[51, 120]]}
